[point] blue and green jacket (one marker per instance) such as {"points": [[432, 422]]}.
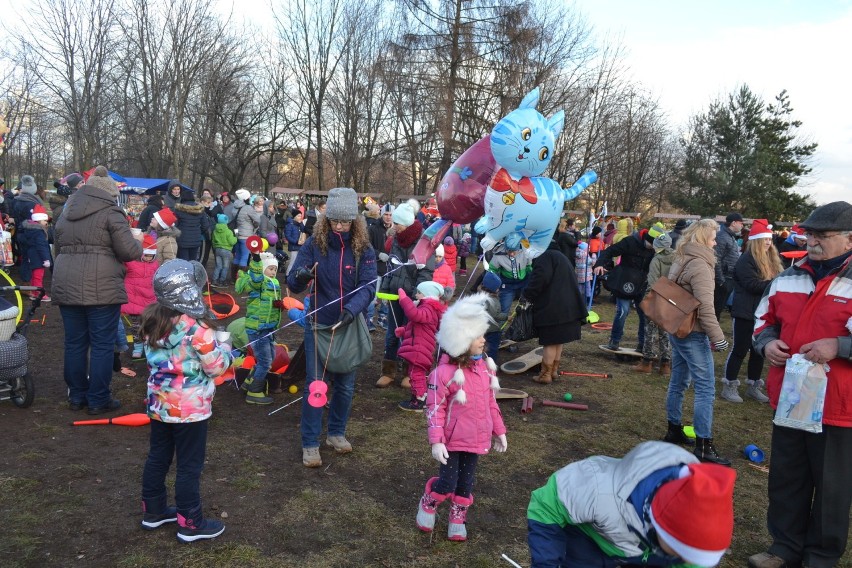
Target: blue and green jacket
{"points": [[262, 290]]}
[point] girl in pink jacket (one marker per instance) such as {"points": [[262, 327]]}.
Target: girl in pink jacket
{"points": [[139, 284], [461, 412], [418, 338]]}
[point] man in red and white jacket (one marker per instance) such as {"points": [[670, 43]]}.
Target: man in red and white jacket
{"points": [[808, 309]]}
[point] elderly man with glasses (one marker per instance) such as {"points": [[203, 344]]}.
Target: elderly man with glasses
{"points": [[808, 309]]}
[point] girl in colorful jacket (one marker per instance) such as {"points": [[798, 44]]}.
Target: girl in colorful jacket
{"points": [[418, 338], [263, 316], [461, 413], [184, 358]]}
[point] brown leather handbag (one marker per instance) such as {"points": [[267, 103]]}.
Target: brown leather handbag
{"points": [[671, 307]]}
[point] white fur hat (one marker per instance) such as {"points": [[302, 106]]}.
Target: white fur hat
{"points": [[268, 259], [405, 213], [464, 322]]}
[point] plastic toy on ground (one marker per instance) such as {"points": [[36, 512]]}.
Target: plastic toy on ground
{"points": [[523, 363]]}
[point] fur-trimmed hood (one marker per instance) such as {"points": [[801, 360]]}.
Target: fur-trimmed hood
{"points": [[192, 209]]}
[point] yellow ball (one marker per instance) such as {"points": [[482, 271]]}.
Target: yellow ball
{"points": [[293, 389]]}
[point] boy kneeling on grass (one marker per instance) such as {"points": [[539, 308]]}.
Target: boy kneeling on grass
{"points": [[656, 506]]}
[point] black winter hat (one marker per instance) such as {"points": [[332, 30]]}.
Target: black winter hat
{"points": [[734, 216], [187, 196], [680, 225], [835, 216]]}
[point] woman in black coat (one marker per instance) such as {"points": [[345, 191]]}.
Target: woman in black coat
{"points": [[557, 306], [193, 224], [753, 272]]}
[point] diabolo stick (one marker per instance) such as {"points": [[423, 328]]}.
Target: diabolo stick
{"points": [[596, 375], [137, 419]]}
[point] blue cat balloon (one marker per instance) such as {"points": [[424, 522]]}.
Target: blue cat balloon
{"points": [[517, 199]]}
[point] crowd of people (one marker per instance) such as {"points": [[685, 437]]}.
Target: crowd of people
{"points": [[353, 266]]}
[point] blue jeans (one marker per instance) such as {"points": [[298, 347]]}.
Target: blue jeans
{"points": [[691, 356], [622, 309], [241, 256], [121, 344], [509, 292], [263, 347], [396, 318], [89, 340], [189, 441], [340, 393], [223, 259]]}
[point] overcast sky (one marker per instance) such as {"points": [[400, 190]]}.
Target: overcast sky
{"points": [[689, 53]]}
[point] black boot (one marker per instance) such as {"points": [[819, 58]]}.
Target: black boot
{"points": [[156, 512], [116, 362], [256, 393], [193, 526], [675, 435], [706, 452]]}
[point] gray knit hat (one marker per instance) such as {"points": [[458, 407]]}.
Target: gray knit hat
{"points": [[100, 178], [342, 204], [835, 216], [28, 184], [177, 285]]}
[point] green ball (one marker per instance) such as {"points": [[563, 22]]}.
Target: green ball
{"points": [[568, 397]]}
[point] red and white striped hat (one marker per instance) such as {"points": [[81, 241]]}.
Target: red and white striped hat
{"points": [[760, 229]]}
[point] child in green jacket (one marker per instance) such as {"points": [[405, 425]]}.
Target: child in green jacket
{"points": [[223, 240], [263, 316]]}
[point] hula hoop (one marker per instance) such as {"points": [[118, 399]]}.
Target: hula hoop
{"points": [[17, 295], [604, 325]]}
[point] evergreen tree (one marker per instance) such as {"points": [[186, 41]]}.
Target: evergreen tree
{"points": [[743, 155]]}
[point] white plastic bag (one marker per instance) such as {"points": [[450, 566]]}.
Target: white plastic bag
{"points": [[802, 398]]}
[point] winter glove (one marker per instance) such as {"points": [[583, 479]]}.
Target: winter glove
{"points": [[46, 264], [500, 443], [720, 345], [439, 453], [383, 256], [279, 304], [203, 340], [303, 276], [346, 318]]}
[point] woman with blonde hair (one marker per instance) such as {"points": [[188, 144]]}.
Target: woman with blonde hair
{"points": [[755, 269], [693, 268]]}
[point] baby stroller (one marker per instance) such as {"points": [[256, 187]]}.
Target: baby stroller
{"points": [[16, 384]]}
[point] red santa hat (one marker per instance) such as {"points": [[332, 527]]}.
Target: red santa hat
{"points": [[39, 213], [165, 217], [694, 514], [149, 245], [798, 232], [760, 229]]}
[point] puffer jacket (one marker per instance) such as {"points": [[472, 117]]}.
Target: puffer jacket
{"points": [[444, 276], [418, 342], [180, 386], [661, 265], [451, 256], [749, 287], [464, 427], [338, 275], [223, 237], [22, 207], [248, 220], [262, 291], [695, 272], [166, 243], [595, 494], [33, 248], [727, 251], [139, 285], [292, 232], [407, 277], [92, 243], [797, 310], [193, 223]]}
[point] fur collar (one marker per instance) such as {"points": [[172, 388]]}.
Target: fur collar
{"points": [[408, 236], [190, 208]]}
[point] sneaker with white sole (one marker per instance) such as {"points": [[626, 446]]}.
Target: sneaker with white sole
{"points": [[206, 529], [151, 521], [340, 444], [311, 457]]}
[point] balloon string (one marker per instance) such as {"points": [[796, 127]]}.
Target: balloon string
{"points": [[472, 273]]}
